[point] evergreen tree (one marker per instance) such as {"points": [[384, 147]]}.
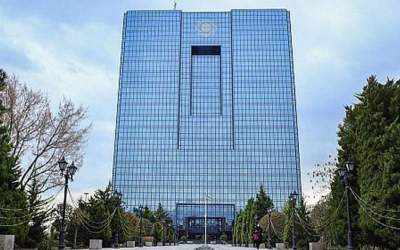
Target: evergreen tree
{"points": [[40, 215], [14, 216], [304, 230], [252, 214], [161, 215], [307, 232], [262, 203], [98, 218], [163, 223], [287, 229], [148, 214], [251, 219], [370, 135], [336, 217]]}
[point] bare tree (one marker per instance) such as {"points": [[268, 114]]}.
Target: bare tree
{"points": [[40, 136], [322, 177]]}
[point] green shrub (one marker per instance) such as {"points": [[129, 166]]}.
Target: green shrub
{"points": [[223, 237]]}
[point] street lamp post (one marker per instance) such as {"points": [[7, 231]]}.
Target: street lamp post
{"points": [[293, 198], [346, 173], [116, 240], [233, 232], [67, 171], [256, 221], [169, 226], [140, 225], [269, 227], [206, 198]]}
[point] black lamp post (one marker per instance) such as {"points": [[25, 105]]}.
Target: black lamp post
{"points": [[116, 235], [140, 225], [169, 226], [67, 171], [293, 198], [269, 211], [256, 221], [346, 173]]}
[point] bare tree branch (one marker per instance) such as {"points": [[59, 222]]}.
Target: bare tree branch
{"points": [[40, 136]]}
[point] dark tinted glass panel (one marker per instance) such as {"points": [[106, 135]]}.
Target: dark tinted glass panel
{"points": [[206, 50]]}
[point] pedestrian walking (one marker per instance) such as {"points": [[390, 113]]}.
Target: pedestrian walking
{"points": [[257, 236]]}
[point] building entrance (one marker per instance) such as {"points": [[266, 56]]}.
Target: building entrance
{"points": [[194, 226], [190, 221]]}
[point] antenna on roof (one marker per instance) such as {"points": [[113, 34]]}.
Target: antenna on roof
{"points": [[175, 5]]}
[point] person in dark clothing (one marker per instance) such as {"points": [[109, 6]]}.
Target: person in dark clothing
{"points": [[257, 236]]}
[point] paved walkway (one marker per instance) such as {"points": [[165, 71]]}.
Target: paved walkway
{"points": [[187, 247]]}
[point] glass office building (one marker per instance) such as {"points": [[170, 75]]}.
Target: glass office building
{"points": [[206, 106]]}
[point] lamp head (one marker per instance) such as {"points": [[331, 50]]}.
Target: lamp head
{"points": [[341, 172], [350, 165], [293, 196], [62, 164], [72, 169], [118, 194]]}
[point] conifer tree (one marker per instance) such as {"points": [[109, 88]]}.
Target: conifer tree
{"points": [[262, 203], [370, 136], [40, 215], [304, 230], [14, 216]]}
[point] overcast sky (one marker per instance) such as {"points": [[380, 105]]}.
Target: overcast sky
{"points": [[72, 48]]}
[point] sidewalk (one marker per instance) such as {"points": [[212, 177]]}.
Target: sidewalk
{"points": [[185, 247]]}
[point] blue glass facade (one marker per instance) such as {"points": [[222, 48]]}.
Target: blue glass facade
{"points": [[206, 105]]}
